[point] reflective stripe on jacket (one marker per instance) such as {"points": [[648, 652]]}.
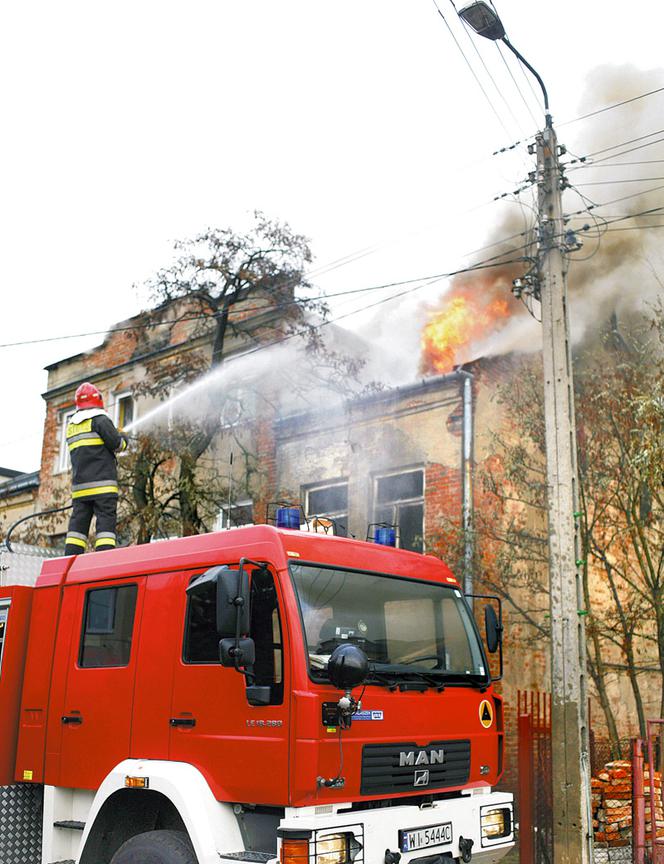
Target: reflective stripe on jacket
{"points": [[92, 440]]}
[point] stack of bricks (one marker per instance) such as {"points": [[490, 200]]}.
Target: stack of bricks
{"points": [[659, 809], [612, 804]]}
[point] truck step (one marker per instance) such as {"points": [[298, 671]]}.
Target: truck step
{"points": [[249, 857], [68, 861], [69, 823]]}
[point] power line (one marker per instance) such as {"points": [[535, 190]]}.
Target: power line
{"points": [[519, 90], [623, 144], [474, 74], [613, 182], [602, 164], [486, 69], [486, 264], [616, 200], [610, 107]]}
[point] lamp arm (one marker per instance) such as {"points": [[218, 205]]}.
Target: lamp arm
{"points": [[523, 60]]}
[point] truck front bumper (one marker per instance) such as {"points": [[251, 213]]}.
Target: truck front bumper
{"points": [[479, 825]]}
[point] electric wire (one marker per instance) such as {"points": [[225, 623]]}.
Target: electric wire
{"points": [[617, 200], [624, 144], [520, 92], [601, 164], [490, 76], [615, 182], [488, 263], [474, 74], [537, 97], [610, 107]]}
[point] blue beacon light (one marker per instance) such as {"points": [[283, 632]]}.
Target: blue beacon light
{"points": [[288, 517], [385, 536]]}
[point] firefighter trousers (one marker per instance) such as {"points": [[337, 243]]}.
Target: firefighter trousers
{"points": [[105, 510]]}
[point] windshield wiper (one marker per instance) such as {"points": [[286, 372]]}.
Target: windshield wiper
{"points": [[437, 677]]}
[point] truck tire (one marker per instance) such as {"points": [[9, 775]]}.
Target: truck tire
{"points": [[156, 847]]}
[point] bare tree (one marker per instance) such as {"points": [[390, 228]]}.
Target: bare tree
{"points": [[226, 292], [620, 418]]}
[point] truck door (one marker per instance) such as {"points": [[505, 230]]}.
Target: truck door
{"points": [[96, 713], [241, 749]]}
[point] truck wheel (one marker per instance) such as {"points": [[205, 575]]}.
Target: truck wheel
{"points": [[156, 847]]}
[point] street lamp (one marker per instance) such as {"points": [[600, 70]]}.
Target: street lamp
{"points": [[485, 22], [572, 832]]}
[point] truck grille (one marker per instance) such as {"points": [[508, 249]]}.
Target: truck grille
{"points": [[402, 768]]}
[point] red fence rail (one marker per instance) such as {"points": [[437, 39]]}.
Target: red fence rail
{"points": [[535, 789]]}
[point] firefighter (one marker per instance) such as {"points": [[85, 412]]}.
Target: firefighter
{"points": [[93, 440]]}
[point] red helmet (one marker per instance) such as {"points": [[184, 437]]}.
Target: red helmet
{"points": [[87, 396]]}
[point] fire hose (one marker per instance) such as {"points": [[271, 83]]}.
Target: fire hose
{"points": [[32, 516]]}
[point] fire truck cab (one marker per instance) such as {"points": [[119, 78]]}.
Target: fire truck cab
{"points": [[256, 695]]}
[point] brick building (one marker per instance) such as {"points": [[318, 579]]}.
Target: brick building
{"points": [[18, 496]]}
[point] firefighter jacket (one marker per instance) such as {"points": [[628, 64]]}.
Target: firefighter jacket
{"points": [[92, 440]]}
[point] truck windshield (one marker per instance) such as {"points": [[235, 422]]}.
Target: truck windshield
{"points": [[407, 628]]}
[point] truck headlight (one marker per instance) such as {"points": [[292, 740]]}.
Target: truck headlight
{"points": [[495, 824], [336, 849]]}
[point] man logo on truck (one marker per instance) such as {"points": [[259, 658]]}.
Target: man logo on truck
{"points": [[408, 757]]}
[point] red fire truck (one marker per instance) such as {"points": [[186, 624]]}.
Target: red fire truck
{"points": [[258, 695]]}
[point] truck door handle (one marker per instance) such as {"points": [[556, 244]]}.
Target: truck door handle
{"points": [[188, 722], [72, 719]]}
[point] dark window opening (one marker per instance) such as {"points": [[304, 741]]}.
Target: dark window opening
{"points": [[400, 501], [330, 501], [108, 623]]}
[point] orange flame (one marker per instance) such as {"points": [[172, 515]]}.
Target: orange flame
{"points": [[448, 337]]}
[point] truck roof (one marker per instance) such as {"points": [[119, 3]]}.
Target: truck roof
{"points": [[260, 542]]}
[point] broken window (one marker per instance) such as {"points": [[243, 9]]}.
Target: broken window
{"points": [[399, 501], [330, 501]]}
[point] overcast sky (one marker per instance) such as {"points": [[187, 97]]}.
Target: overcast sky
{"points": [[129, 124]]}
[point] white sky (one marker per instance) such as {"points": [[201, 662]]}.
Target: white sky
{"points": [[129, 124]]}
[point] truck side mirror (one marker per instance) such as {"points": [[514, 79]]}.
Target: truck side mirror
{"points": [[492, 629], [241, 652], [232, 602]]}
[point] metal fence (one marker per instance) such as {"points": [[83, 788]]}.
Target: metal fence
{"points": [[535, 789]]}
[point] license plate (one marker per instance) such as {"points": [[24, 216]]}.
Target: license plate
{"points": [[423, 838]]}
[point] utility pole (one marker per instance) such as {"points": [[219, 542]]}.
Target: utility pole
{"points": [[572, 833]]}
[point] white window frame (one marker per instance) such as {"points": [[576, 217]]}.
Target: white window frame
{"points": [[64, 463], [221, 522], [124, 394], [421, 499], [336, 514]]}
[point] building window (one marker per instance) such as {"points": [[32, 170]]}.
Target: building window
{"points": [[240, 513], [237, 406], [331, 501], [399, 500], [108, 624], [125, 410], [63, 456]]}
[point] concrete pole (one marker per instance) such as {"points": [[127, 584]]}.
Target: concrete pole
{"points": [[467, 484], [572, 835]]}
